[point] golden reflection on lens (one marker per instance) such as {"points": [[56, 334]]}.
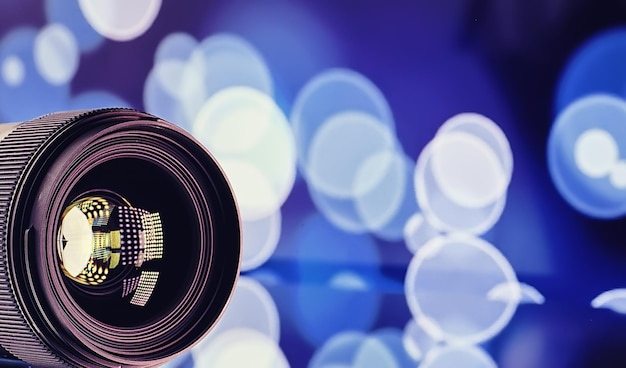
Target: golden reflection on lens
{"points": [[99, 235]]}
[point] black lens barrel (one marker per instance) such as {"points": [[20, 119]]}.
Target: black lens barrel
{"points": [[47, 164]]}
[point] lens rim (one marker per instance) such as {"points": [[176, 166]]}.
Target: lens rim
{"points": [[46, 185]]}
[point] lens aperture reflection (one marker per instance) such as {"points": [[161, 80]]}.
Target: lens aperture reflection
{"points": [[105, 240]]}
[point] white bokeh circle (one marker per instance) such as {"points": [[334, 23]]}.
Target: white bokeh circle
{"points": [[340, 147], [168, 74], [378, 201], [416, 341], [219, 62], [445, 214], [256, 198], [596, 152], [56, 54], [417, 232], [467, 170], [340, 212], [350, 349], [163, 88], [457, 356], [259, 240], [338, 350], [332, 92], [583, 151], [358, 177], [120, 20], [251, 307], [241, 347], [175, 46], [13, 71], [485, 129], [251, 138], [617, 176], [447, 287]]}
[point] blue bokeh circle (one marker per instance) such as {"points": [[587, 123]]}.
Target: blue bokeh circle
{"points": [[592, 196], [596, 67]]}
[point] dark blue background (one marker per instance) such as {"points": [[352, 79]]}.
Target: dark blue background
{"points": [[432, 60]]}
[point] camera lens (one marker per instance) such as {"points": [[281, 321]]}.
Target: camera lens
{"points": [[119, 240]]}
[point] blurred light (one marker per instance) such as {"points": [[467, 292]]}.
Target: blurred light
{"points": [[595, 153], [68, 13], [363, 185], [385, 207], [440, 211], [467, 170], [377, 202], [355, 350], [583, 155], [241, 347], [594, 68], [168, 74], [341, 212], [163, 89], [95, 100], [12, 71], [120, 20], [373, 354], [521, 292], [392, 339], [251, 138], [56, 54], [417, 232], [349, 214], [219, 62], [33, 95], [489, 133], [259, 238], [252, 308], [236, 120], [158, 98], [340, 148], [614, 300], [255, 196], [447, 285], [348, 281], [329, 93], [177, 46], [530, 294], [416, 341], [462, 175], [617, 176], [338, 350], [458, 356]]}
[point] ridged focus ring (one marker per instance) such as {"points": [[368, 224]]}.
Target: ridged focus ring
{"points": [[16, 151]]}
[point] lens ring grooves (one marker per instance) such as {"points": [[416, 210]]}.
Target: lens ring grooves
{"points": [[18, 147], [114, 128]]}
